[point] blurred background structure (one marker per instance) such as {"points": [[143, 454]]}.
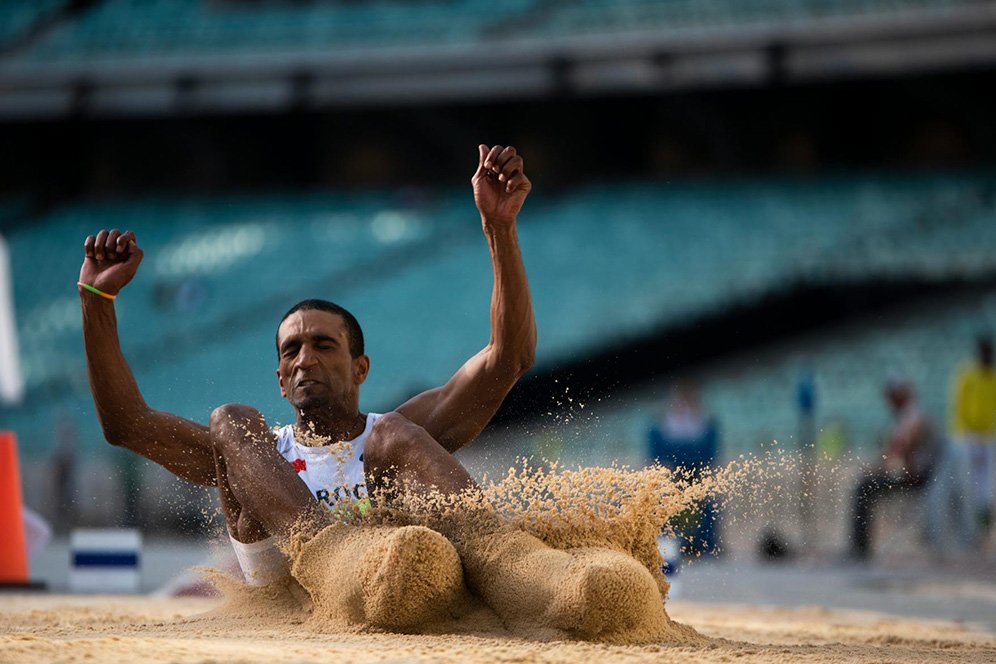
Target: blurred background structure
{"points": [[784, 201]]}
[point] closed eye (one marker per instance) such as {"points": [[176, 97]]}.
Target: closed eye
{"points": [[325, 343]]}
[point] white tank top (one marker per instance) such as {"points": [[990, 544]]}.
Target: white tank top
{"points": [[331, 472]]}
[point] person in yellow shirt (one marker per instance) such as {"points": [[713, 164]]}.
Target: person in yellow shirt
{"points": [[973, 423]]}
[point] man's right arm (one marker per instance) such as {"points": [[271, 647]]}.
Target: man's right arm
{"points": [[179, 445]]}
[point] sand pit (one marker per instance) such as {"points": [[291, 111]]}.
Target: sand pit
{"points": [[117, 629], [572, 572]]}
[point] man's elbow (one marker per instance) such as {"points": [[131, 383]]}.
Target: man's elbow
{"points": [[119, 434], [512, 360], [526, 357], [116, 436], [517, 364], [527, 360]]}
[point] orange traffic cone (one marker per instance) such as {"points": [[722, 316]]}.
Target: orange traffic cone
{"points": [[13, 552]]}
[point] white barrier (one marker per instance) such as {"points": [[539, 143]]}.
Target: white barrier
{"points": [[105, 560], [11, 381]]}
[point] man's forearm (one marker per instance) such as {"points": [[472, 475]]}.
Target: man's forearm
{"points": [[513, 326], [458, 411], [181, 446], [116, 396]]}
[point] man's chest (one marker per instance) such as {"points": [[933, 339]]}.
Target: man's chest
{"points": [[330, 480]]}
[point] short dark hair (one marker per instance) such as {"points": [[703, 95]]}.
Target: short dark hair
{"points": [[352, 325]]}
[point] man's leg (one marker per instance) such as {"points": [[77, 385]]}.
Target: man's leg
{"points": [[959, 475], [868, 492], [260, 499], [259, 491], [341, 567], [938, 505], [986, 459], [976, 452], [400, 454], [591, 593]]}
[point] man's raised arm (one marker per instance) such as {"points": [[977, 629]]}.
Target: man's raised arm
{"points": [[457, 412], [181, 446]]}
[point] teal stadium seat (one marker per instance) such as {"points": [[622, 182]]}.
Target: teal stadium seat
{"points": [[608, 16], [754, 399], [155, 28], [18, 17], [116, 29]]}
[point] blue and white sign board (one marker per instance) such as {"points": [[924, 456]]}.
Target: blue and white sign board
{"points": [[105, 560], [670, 550]]}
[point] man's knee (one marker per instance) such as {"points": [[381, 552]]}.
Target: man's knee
{"points": [[392, 439], [235, 420], [234, 413]]}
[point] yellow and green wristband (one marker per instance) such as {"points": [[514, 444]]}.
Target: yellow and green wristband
{"points": [[96, 291]]}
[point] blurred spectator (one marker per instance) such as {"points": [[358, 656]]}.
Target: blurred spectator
{"points": [[948, 520], [973, 424], [687, 436], [910, 453]]}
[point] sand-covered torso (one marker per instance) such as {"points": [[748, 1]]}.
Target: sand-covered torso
{"points": [[332, 472]]}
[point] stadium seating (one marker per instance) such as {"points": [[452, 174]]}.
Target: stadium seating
{"points": [[754, 399], [139, 28], [608, 16], [116, 29], [606, 264], [17, 17]]}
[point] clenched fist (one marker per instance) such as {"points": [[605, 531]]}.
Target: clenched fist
{"points": [[500, 185], [111, 259]]}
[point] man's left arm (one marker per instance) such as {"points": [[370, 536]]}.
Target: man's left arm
{"points": [[455, 413]]}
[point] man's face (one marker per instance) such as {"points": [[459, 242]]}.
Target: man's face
{"points": [[316, 370]]}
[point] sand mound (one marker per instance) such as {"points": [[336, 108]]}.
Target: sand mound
{"points": [[592, 593], [547, 554], [613, 597], [391, 577]]}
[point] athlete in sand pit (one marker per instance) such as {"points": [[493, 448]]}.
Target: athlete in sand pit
{"points": [[393, 577]]}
